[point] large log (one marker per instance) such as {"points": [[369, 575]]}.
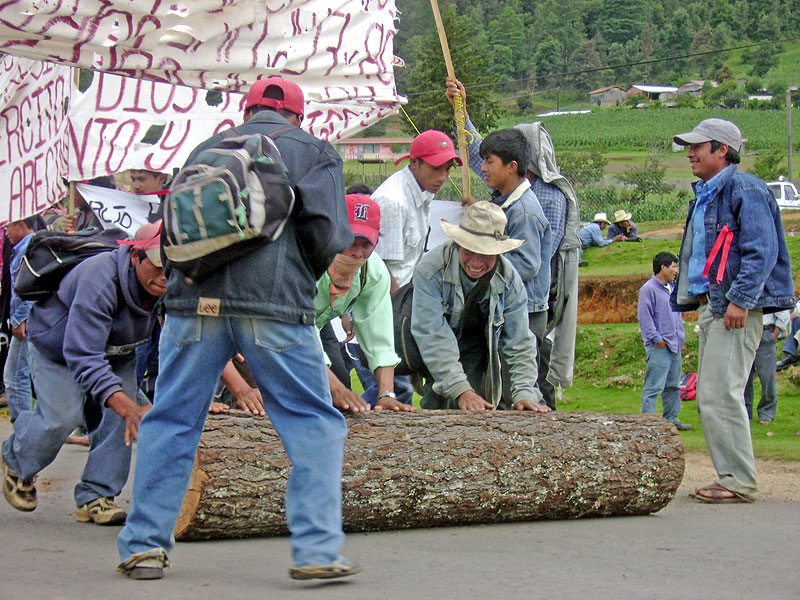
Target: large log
{"points": [[433, 468]]}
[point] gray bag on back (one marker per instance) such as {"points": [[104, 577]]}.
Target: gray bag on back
{"points": [[233, 198]]}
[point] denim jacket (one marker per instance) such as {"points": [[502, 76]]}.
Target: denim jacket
{"points": [[526, 221], [277, 280], [758, 273], [437, 308]]}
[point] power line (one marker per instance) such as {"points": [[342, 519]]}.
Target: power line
{"points": [[610, 67]]}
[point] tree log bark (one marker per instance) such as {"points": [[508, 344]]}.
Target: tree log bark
{"points": [[434, 468]]}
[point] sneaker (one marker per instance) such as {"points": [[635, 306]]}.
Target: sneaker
{"points": [[336, 569], [145, 565], [101, 511], [683, 426], [19, 493]]}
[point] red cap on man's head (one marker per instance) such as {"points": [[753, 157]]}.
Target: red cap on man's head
{"points": [[365, 217], [292, 95], [148, 239], [434, 147]]}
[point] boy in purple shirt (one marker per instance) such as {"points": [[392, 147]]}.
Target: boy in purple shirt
{"points": [[662, 333]]}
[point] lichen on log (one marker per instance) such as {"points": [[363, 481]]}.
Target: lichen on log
{"points": [[435, 468]]}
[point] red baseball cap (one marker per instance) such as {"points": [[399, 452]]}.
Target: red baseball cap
{"points": [[434, 147], [365, 217], [292, 95], [147, 238]]}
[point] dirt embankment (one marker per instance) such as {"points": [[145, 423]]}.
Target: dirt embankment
{"points": [[612, 299]]}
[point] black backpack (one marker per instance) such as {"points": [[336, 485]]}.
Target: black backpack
{"points": [[234, 197], [52, 254], [404, 343]]}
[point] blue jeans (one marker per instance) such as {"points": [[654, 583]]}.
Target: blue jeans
{"points": [[663, 376], [765, 364], [40, 433], [17, 378], [402, 386], [288, 365], [790, 345]]}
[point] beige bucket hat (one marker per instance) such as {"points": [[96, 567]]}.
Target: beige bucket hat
{"points": [[482, 230]]}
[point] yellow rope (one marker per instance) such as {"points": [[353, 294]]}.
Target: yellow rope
{"points": [[463, 124]]}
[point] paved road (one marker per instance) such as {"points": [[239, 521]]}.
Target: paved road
{"points": [[687, 550]]}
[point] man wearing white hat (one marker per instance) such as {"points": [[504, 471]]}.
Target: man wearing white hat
{"points": [[733, 267], [592, 234], [460, 290], [622, 225]]}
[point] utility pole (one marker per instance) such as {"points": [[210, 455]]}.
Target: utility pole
{"points": [[789, 132]]}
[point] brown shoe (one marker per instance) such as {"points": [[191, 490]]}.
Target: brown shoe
{"points": [[19, 493], [145, 565], [334, 570], [101, 511]]}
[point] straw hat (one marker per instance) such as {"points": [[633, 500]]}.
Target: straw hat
{"points": [[482, 230], [621, 215]]}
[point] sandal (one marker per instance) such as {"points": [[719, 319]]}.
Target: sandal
{"points": [[717, 494]]}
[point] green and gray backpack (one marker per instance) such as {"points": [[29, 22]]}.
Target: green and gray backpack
{"points": [[233, 197]]}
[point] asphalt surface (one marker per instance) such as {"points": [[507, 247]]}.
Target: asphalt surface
{"points": [[686, 550]]}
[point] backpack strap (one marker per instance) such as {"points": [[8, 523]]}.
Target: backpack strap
{"points": [[275, 133]]}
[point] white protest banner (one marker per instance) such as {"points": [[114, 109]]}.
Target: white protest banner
{"points": [[121, 123], [34, 98], [339, 52], [116, 208]]}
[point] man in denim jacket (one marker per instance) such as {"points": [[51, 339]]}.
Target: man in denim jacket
{"points": [[734, 266], [469, 308], [262, 305]]}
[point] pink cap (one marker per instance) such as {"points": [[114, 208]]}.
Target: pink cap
{"points": [[365, 217], [292, 95], [434, 147], [147, 238]]}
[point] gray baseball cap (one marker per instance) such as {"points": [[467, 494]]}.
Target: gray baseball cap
{"points": [[717, 130]]}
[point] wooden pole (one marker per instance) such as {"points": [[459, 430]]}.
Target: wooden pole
{"points": [[458, 106]]}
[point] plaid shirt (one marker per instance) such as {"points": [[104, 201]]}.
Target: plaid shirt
{"points": [[552, 199]]}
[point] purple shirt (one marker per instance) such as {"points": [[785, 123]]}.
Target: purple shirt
{"points": [[656, 319]]}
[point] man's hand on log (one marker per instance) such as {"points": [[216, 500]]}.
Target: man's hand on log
{"points": [[387, 403], [531, 405], [345, 399], [249, 399], [472, 401], [130, 412], [217, 408]]}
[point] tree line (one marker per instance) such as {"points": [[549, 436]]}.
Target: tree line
{"points": [[512, 48]]}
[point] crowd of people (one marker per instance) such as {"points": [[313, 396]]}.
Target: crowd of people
{"points": [[492, 325]]}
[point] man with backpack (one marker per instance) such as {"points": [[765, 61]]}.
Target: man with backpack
{"points": [[81, 343], [663, 335], [260, 303]]}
